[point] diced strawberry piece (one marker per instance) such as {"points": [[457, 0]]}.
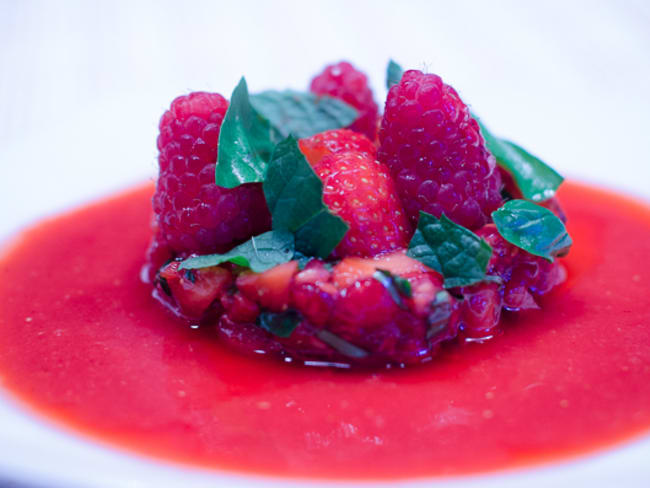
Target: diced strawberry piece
{"points": [[239, 308], [352, 269], [271, 289], [195, 290], [313, 294]]}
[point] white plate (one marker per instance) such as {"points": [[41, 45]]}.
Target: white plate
{"points": [[85, 88]]}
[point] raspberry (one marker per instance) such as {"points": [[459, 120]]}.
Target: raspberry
{"points": [[358, 188], [525, 276], [481, 311], [316, 147], [192, 213], [436, 153], [344, 81]]}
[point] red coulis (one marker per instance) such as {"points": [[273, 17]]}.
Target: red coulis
{"points": [[82, 341]]}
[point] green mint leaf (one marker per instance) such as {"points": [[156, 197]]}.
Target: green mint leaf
{"points": [[294, 195], [341, 345], [321, 234], [302, 114], [165, 286], [258, 253], [394, 74], [454, 251], [280, 324], [536, 180], [441, 310], [532, 228], [398, 287], [245, 142]]}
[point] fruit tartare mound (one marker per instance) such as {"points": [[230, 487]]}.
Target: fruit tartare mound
{"points": [[292, 226]]}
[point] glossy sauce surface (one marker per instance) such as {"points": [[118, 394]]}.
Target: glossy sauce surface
{"points": [[82, 342]]}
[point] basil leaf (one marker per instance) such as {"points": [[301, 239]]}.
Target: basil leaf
{"points": [[280, 324], [302, 114], [441, 310], [398, 287], [341, 345], [454, 251], [536, 180], [294, 195], [258, 253], [532, 228], [321, 234], [245, 142], [394, 74]]}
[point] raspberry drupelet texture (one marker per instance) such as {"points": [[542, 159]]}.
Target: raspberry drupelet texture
{"points": [[436, 153], [525, 276], [344, 81], [193, 214]]}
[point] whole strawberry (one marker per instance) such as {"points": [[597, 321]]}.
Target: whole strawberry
{"points": [[358, 188], [344, 81], [436, 153], [316, 147], [192, 214]]}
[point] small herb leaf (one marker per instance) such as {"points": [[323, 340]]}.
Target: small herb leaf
{"points": [[394, 74], [302, 114], [451, 249], [398, 287], [245, 142], [532, 228], [258, 253], [341, 345], [441, 310], [294, 195], [536, 180], [321, 234], [280, 324]]}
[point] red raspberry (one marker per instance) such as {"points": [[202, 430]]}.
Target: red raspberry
{"points": [[316, 147], [344, 81], [436, 153], [525, 276], [358, 188], [192, 213], [481, 311]]}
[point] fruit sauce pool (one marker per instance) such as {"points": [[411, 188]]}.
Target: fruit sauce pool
{"points": [[82, 342]]}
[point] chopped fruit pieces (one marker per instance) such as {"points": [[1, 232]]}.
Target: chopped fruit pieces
{"points": [[271, 288], [368, 256], [194, 290]]}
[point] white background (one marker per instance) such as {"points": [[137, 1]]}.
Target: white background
{"points": [[83, 84]]}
